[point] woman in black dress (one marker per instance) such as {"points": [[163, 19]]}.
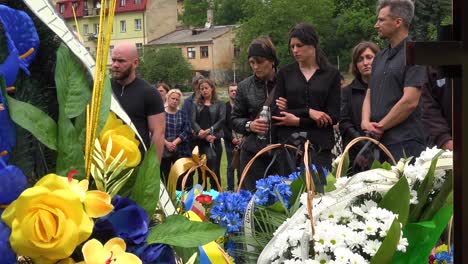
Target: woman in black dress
{"points": [[308, 93]]}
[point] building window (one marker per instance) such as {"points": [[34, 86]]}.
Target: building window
{"points": [[96, 28], [204, 52], [74, 28], [85, 29], [137, 2], [138, 24], [123, 26], [191, 52], [62, 8], [75, 5], [88, 49], [122, 2], [111, 48]]}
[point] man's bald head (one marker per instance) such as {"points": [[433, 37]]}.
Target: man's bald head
{"points": [[126, 48], [124, 62]]}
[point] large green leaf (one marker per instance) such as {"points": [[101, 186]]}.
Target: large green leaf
{"points": [[70, 155], [441, 199], [422, 236], [73, 91], [423, 191], [397, 200], [105, 104], [146, 188], [179, 231], [389, 245], [35, 121]]}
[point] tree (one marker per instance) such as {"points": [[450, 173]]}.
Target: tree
{"points": [[229, 12], [275, 18], [195, 12], [165, 64]]}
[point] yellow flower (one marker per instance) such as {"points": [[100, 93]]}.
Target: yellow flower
{"points": [[123, 138], [112, 252], [47, 221]]}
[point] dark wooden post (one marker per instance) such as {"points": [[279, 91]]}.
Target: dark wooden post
{"points": [[454, 53]]}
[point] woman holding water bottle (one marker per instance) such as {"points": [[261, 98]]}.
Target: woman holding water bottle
{"points": [[308, 95], [246, 116]]}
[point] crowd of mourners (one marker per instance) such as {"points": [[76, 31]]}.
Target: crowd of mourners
{"points": [[405, 107]]}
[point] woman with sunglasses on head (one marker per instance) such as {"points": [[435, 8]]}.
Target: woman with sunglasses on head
{"points": [[308, 96], [251, 96]]}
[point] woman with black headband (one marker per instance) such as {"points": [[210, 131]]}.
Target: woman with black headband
{"points": [[308, 93], [251, 96]]}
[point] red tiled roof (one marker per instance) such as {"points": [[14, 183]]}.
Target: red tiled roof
{"points": [[130, 6]]}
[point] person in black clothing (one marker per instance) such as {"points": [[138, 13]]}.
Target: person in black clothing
{"points": [[352, 96], [231, 138], [138, 98], [208, 116], [251, 95], [391, 109], [308, 93], [437, 109]]}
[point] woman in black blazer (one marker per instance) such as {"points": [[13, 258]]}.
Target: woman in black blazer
{"points": [[308, 93], [208, 116]]}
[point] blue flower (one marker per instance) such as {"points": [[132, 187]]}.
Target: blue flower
{"points": [[229, 209], [12, 183], [268, 189], [444, 257], [154, 254], [6, 252], [127, 221]]}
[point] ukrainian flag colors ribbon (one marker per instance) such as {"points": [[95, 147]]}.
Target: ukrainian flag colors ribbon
{"points": [[210, 253], [187, 166]]}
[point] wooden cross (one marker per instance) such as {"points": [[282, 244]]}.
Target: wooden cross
{"points": [[454, 53]]}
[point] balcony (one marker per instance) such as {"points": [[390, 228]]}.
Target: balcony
{"points": [[91, 11]]}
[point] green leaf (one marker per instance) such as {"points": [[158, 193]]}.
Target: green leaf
{"points": [[70, 153], [187, 253], [331, 180], [345, 168], [146, 188], [179, 231], [423, 191], [105, 104], [277, 207], [388, 247], [422, 236], [397, 200], [73, 92], [35, 121], [441, 198], [376, 165], [386, 166]]}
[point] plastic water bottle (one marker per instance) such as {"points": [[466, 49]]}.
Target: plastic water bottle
{"points": [[264, 115]]}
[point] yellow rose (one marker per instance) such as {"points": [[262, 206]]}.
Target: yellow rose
{"points": [[123, 138], [47, 221]]}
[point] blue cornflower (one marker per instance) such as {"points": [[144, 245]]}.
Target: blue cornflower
{"points": [[444, 257], [229, 209], [268, 189], [7, 253]]}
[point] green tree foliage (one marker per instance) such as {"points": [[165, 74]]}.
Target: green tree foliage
{"points": [[429, 16], [276, 17], [195, 12], [164, 64], [229, 12]]}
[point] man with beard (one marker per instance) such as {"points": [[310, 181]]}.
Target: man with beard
{"points": [[138, 98]]}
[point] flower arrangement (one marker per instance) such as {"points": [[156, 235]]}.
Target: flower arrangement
{"points": [[369, 217], [441, 255]]}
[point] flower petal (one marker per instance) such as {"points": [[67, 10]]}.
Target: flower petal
{"points": [[97, 204]]}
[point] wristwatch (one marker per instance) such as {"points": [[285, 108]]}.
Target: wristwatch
{"points": [[247, 126]]}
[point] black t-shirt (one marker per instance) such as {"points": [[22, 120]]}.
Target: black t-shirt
{"points": [[390, 75], [140, 100]]}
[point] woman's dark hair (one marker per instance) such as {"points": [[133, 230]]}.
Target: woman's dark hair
{"points": [[263, 47], [163, 85], [357, 51], [308, 36], [214, 96]]}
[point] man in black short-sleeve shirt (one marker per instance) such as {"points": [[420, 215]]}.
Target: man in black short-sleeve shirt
{"points": [[391, 108], [139, 99]]}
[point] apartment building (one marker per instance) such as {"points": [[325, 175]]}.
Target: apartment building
{"points": [[210, 51], [135, 21]]}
